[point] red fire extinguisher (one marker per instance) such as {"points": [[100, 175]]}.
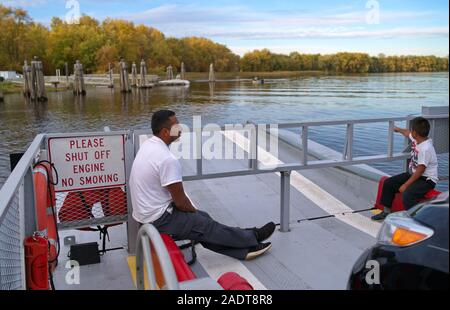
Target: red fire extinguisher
{"points": [[36, 262]]}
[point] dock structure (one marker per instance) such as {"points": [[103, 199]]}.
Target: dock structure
{"points": [[212, 75], [79, 87], [124, 78], [34, 86], [183, 71], [134, 77]]}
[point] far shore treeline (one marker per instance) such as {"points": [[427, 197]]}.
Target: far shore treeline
{"points": [[96, 44]]}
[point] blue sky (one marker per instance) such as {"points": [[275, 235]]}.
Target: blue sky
{"points": [[313, 26]]}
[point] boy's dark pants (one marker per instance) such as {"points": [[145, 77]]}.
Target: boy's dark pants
{"points": [[411, 196]]}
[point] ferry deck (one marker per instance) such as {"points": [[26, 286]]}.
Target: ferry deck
{"points": [[321, 200]]}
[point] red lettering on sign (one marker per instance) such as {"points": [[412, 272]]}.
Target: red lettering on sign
{"points": [[87, 143]]}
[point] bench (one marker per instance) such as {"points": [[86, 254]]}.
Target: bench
{"points": [[397, 205]]}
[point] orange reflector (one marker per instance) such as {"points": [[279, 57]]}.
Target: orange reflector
{"points": [[404, 237]]}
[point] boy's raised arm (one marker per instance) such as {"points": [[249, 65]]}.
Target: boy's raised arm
{"points": [[403, 131]]}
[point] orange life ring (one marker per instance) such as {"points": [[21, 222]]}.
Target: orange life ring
{"points": [[45, 208]]}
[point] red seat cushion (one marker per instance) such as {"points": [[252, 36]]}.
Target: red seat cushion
{"points": [[182, 269], [231, 281], [397, 205]]}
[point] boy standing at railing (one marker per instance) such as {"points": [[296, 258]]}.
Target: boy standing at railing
{"points": [[423, 170]]}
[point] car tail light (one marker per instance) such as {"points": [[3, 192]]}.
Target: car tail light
{"points": [[401, 230]]}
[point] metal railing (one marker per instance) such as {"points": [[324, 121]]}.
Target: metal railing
{"points": [[285, 170], [17, 218], [148, 241]]}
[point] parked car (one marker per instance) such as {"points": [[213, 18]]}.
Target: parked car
{"points": [[411, 251]]}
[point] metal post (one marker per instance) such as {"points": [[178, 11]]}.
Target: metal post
{"points": [[305, 145], [391, 139], [132, 225], [406, 148], [28, 204], [285, 194], [199, 153], [349, 143], [253, 162]]}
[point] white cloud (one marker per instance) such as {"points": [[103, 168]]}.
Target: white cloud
{"points": [[22, 3], [242, 23]]}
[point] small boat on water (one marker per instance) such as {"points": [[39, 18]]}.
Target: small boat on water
{"points": [[258, 81]]}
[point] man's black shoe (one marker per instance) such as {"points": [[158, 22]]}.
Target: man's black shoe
{"points": [[258, 250], [265, 232]]}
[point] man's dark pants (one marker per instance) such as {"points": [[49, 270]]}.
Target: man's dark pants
{"points": [[200, 227], [411, 196]]}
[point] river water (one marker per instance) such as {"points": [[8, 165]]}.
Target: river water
{"points": [[279, 100]]}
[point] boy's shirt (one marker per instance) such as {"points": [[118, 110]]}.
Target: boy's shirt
{"points": [[424, 154]]}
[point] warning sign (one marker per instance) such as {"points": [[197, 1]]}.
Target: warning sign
{"points": [[85, 163]]}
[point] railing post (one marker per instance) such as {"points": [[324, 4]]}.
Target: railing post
{"points": [[27, 204], [132, 226], [406, 147], [391, 139], [253, 161], [285, 195], [348, 154], [28, 218], [304, 145], [198, 148]]}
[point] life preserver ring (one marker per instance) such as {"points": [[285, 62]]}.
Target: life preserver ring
{"points": [[78, 206], [45, 209]]}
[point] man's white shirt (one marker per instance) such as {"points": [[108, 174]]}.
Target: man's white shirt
{"points": [[154, 168]]}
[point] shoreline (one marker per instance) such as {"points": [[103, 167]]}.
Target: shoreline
{"points": [[9, 87]]}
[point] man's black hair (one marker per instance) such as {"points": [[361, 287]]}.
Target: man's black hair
{"points": [[160, 120], [421, 126]]}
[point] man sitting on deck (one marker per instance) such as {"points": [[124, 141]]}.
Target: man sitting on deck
{"points": [[158, 198]]}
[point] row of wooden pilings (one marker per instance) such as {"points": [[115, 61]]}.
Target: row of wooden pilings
{"points": [[34, 83]]}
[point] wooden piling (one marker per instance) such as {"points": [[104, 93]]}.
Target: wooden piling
{"points": [[111, 79], [183, 72], [79, 87], [26, 79], [66, 71], [38, 91], [212, 75], [134, 79], [124, 78], [143, 73], [169, 73]]}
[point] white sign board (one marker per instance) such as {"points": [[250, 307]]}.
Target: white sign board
{"points": [[86, 163]]}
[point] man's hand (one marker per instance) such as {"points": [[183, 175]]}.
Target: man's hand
{"points": [[182, 202]]}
